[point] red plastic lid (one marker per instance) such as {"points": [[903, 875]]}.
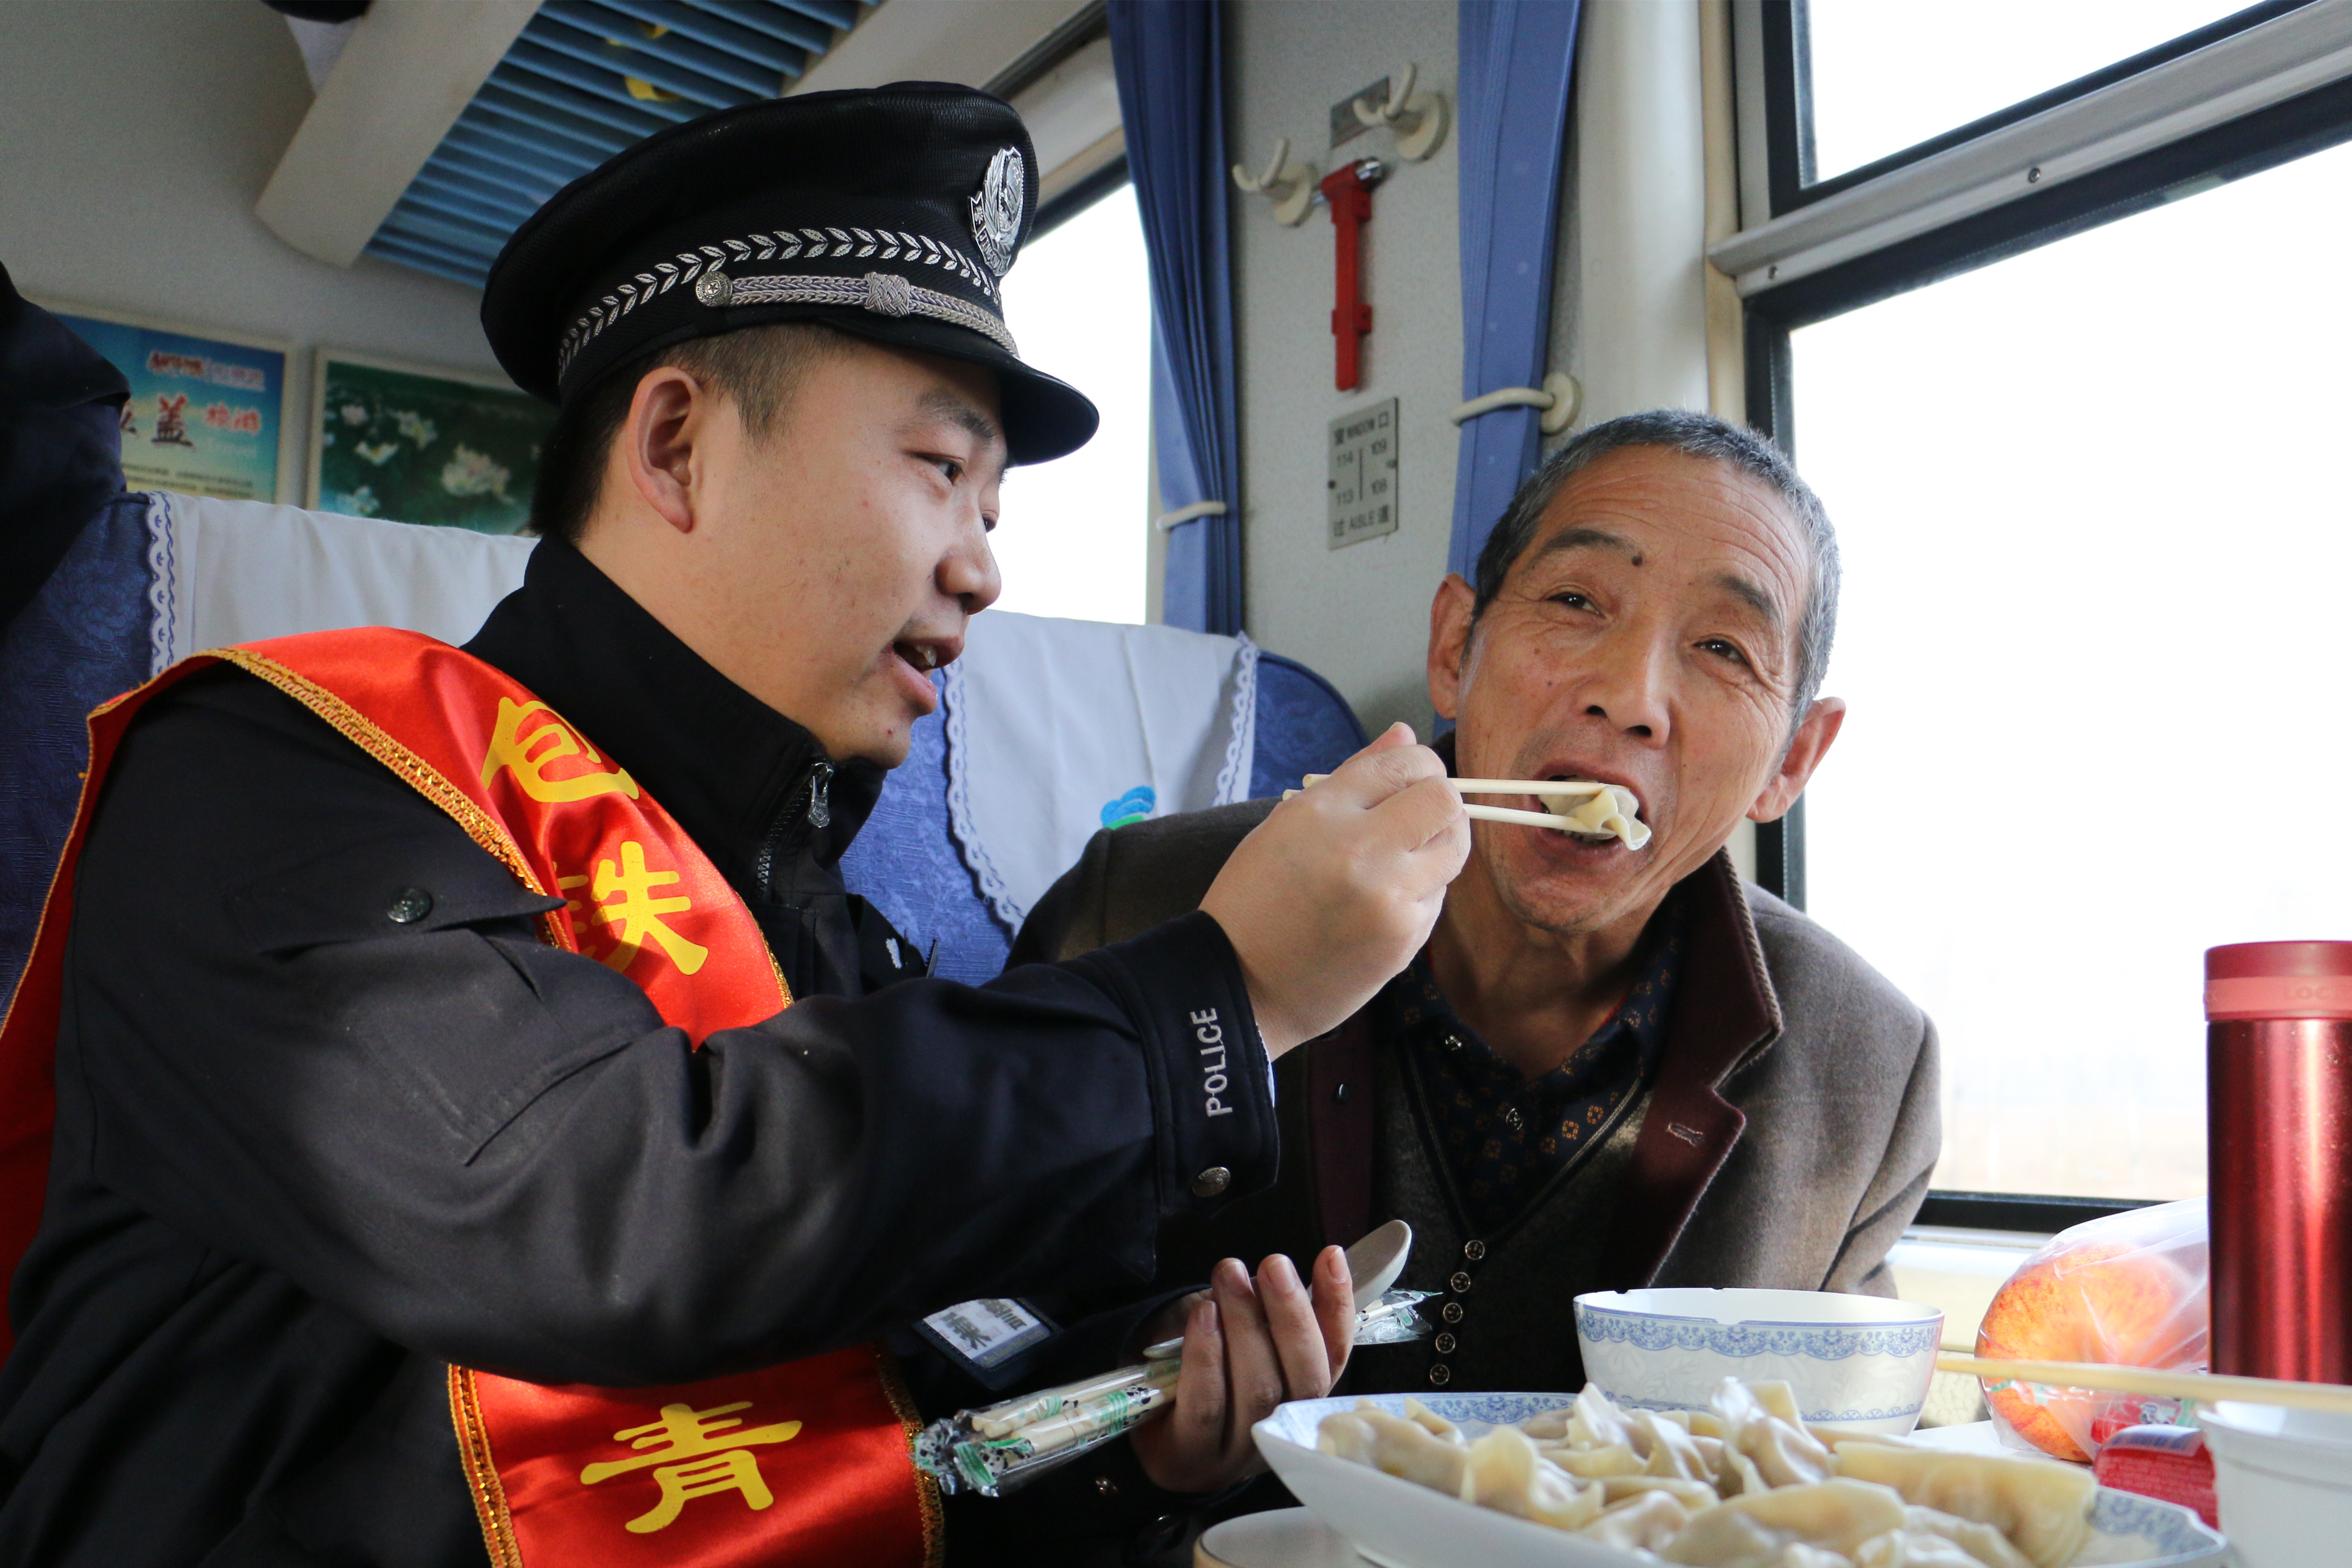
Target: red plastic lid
{"points": [[2279, 980]]}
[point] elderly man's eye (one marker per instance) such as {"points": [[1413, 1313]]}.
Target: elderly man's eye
{"points": [[1723, 650], [1572, 599]]}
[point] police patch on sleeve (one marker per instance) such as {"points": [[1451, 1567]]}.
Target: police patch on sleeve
{"points": [[996, 210]]}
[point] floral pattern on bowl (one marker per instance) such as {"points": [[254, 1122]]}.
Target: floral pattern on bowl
{"points": [[1860, 1362]]}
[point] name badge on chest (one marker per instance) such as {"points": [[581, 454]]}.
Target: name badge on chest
{"points": [[982, 1337]]}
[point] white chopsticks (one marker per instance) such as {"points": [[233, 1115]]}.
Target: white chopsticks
{"points": [[2146, 1382], [1568, 788], [1525, 818]]}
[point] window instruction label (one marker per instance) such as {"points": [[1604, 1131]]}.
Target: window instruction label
{"points": [[1363, 490]]}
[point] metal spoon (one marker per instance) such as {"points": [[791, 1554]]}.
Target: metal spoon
{"points": [[1373, 1263]]}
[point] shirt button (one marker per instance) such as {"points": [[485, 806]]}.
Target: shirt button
{"points": [[1440, 1375], [408, 906], [1443, 1344], [1211, 1182], [1453, 1042], [1451, 1311], [1341, 1093], [1459, 1284], [1474, 1250], [1106, 1486], [1512, 1119]]}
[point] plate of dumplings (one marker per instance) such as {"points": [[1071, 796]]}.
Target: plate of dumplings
{"points": [[1541, 1480]]}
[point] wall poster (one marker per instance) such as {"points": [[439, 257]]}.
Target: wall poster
{"points": [[206, 412], [412, 445]]}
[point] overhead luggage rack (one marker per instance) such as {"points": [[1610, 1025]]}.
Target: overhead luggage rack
{"points": [[584, 79]]}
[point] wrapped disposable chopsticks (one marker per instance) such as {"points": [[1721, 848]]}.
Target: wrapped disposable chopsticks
{"points": [[1002, 1447], [1391, 1320]]}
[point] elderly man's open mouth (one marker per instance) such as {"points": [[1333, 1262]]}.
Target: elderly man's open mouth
{"points": [[1607, 820]]}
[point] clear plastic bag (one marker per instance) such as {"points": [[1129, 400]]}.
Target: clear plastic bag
{"points": [[2130, 1289], [1003, 1448]]}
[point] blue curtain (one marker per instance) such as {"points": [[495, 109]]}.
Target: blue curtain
{"points": [[1512, 90], [1168, 55]]}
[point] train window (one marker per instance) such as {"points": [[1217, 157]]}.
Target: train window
{"points": [[1885, 77], [1073, 534], [2095, 533]]}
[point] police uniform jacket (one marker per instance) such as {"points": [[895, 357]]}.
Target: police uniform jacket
{"points": [[311, 1147]]}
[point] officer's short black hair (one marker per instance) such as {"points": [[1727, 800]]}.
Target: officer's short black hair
{"points": [[758, 368]]}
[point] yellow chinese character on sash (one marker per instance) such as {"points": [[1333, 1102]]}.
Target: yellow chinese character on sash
{"points": [[528, 756], [621, 901], [693, 1461]]}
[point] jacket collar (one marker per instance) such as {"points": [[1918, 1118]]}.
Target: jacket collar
{"points": [[1725, 1013], [1737, 1015], [734, 772]]}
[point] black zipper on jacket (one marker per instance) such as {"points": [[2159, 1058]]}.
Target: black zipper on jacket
{"points": [[812, 801]]}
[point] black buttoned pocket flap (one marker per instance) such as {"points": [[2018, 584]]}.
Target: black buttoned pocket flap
{"points": [[379, 888]]}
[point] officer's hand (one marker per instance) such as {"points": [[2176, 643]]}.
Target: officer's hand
{"points": [[1247, 1350], [1336, 891]]}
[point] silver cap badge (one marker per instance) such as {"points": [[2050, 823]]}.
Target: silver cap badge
{"points": [[996, 210]]}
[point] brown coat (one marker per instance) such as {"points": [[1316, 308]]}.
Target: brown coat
{"points": [[1786, 1139]]}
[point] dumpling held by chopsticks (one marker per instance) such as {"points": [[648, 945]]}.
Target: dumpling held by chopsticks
{"points": [[1608, 815]]}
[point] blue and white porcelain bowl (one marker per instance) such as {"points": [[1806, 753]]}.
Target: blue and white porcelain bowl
{"points": [[1862, 1363]]}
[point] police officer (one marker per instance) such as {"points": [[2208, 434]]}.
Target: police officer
{"points": [[437, 1167]]}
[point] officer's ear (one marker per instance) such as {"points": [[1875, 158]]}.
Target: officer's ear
{"points": [[657, 450]]}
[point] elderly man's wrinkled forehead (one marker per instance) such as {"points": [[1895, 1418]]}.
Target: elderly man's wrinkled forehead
{"points": [[1727, 530]]}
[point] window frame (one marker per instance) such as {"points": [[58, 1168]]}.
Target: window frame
{"points": [[1081, 28], [1773, 110], [1785, 39]]}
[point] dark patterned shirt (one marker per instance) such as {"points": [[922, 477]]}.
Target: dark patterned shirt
{"points": [[1505, 1136]]}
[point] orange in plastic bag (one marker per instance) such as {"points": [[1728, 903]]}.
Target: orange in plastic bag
{"points": [[2127, 1291]]}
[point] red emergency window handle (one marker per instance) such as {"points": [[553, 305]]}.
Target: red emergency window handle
{"points": [[1349, 192]]}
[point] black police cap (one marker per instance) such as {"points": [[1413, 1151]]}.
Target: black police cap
{"points": [[890, 213]]}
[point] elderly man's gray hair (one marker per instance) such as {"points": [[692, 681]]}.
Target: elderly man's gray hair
{"points": [[1693, 436]]}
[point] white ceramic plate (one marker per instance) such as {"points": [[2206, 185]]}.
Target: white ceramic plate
{"points": [[1402, 1525]]}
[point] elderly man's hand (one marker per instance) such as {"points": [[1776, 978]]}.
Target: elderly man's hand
{"points": [[1336, 889], [1246, 1350]]}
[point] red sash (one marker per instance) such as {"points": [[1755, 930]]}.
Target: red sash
{"points": [[805, 1462]]}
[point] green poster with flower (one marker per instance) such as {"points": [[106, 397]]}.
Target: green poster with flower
{"points": [[414, 447]]}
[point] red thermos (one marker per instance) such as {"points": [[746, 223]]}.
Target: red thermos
{"points": [[2278, 1157]]}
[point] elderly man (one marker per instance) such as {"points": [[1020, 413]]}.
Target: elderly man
{"points": [[1609, 1067]]}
